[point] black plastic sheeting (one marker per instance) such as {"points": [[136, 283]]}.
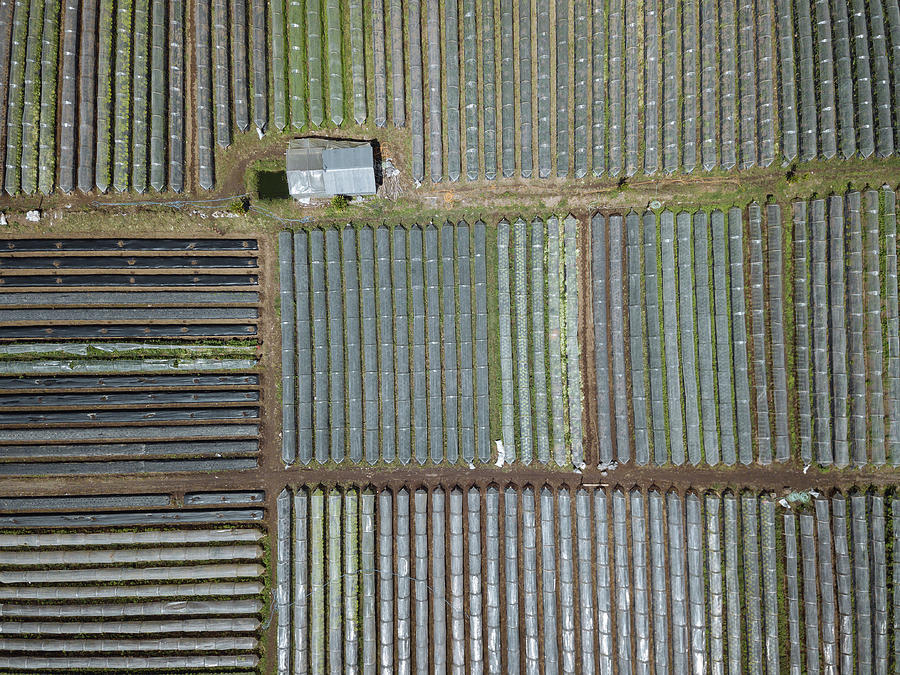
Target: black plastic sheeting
{"points": [[122, 330], [87, 502], [126, 466], [131, 518], [182, 448], [129, 280], [129, 245], [117, 416], [20, 400], [130, 381], [138, 262]]}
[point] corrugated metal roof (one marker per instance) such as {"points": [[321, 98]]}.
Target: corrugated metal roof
{"points": [[319, 167]]}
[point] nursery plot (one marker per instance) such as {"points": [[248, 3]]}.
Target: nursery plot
{"points": [[554, 545], [404, 378], [721, 86], [553, 426], [202, 587], [694, 352]]}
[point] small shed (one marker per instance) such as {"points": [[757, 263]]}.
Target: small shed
{"points": [[325, 167]]}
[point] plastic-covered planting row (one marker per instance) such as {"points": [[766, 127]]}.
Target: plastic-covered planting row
{"points": [[395, 315], [220, 625], [189, 644], [175, 554], [123, 366], [221, 72], [538, 317], [636, 333], [129, 518], [847, 404], [758, 335], [357, 61], [412, 579], [106, 592], [85, 539], [379, 63], [107, 574], [432, 34], [203, 56], [131, 663], [104, 611], [102, 435], [828, 130]]}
